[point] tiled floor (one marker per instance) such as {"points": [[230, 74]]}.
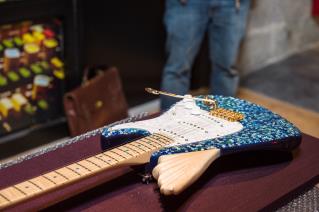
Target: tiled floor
{"points": [[289, 88], [306, 120], [294, 80]]}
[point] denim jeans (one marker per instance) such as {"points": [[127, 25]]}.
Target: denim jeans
{"points": [[186, 25]]}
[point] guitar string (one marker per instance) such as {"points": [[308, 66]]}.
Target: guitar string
{"points": [[182, 130], [186, 129], [189, 129], [178, 130], [200, 123], [208, 122]]}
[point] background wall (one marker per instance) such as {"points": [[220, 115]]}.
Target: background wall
{"points": [[130, 35], [277, 29]]}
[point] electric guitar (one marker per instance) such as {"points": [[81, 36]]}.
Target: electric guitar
{"points": [[179, 145]]}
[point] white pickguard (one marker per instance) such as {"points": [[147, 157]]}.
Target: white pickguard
{"points": [[185, 123]]}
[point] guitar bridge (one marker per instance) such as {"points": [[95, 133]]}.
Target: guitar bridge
{"points": [[228, 115]]}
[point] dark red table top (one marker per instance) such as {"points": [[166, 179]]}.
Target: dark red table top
{"points": [[243, 182]]}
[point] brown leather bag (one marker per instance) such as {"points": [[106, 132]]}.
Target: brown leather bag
{"points": [[97, 102]]}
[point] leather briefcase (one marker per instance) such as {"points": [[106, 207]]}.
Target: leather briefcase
{"points": [[97, 102]]}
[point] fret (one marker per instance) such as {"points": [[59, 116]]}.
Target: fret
{"points": [[74, 171], [166, 138], [107, 159], [151, 142], [42, 182], [122, 153], [81, 169], [113, 151], [12, 194], [98, 162], [36, 185], [62, 175], [54, 177], [89, 165], [95, 162], [135, 149], [84, 167], [28, 188], [49, 179], [111, 158], [162, 141], [78, 169], [140, 146], [148, 142], [144, 145], [68, 173], [21, 191], [147, 145], [3, 199], [128, 151], [155, 142], [101, 157], [162, 138]]}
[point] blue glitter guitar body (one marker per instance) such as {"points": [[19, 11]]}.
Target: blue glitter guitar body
{"points": [[191, 127], [179, 145]]}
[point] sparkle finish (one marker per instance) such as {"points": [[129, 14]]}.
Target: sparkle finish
{"points": [[108, 134], [262, 130]]}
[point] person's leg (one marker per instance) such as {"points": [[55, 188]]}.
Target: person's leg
{"points": [[185, 26], [226, 29]]}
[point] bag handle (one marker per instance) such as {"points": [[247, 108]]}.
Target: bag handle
{"points": [[92, 71]]}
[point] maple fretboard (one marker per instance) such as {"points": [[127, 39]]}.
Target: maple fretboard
{"points": [[133, 153]]}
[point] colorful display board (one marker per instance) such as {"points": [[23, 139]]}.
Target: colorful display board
{"points": [[32, 73]]}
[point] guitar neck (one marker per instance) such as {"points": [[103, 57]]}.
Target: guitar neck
{"points": [[133, 153]]}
